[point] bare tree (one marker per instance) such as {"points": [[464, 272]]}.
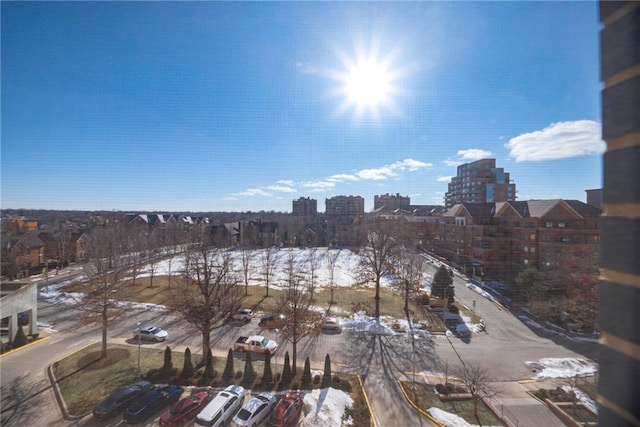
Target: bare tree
{"points": [[105, 267], [299, 321], [209, 293], [333, 260], [247, 256], [377, 261], [269, 263], [313, 263], [477, 381], [409, 272], [172, 240], [153, 255]]}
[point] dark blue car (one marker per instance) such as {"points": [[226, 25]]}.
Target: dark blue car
{"points": [[113, 404], [151, 402]]}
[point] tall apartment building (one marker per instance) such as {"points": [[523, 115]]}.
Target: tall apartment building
{"points": [[305, 206], [480, 182], [345, 206], [391, 202]]}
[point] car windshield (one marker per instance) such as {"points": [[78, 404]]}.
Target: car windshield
{"points": [[155, 330], [264, 342], [244, 414]]}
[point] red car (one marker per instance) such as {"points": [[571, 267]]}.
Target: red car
{"points": [[287, 411], [184, 410]]}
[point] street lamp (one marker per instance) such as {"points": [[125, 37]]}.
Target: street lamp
{"points": [[139, 338]]}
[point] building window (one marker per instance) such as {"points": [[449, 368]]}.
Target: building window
{"points": [[564, 239], [532, 236], [548, 224], [562, 224], [533, 250], [526, 249]]}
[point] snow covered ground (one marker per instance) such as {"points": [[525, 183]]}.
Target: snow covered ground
{"points": [[562, 367], [326, 408]]}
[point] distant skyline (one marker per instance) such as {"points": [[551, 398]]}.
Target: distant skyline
{"points": [[247, 106]]}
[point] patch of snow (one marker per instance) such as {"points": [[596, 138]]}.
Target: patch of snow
{"points": [[562, 367], [446, 418], [582, 398], [362, 322], [325, 408]]}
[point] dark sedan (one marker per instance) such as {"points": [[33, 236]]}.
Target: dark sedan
{"points": [[185, 410], [151, 402], [113, 404]]}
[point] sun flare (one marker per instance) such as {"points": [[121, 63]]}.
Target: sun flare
{"points": [[367, 84]]}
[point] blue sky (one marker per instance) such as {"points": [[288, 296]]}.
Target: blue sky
{"points": [[220, 106]]}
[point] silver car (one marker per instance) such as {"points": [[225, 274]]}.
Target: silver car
{"points": [[255, 410], [151, 333]]}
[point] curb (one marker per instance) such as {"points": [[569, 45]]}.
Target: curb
{"points": [[56, 390], [366, 399], [420, 411], [32, 343]]}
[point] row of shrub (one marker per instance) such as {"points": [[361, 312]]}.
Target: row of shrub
{"points": [[206, 375]]}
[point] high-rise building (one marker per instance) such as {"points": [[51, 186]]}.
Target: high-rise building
{"points": [[305, 206], [391, 202], [480, 182], [346, 206]]}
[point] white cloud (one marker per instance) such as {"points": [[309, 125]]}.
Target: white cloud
{"points": [[453, 163], [391, 170], [254, 192], [286, 182], [376, 174], [474, 154], [319, 185], [443, 178], [342, 177], [281, 188], [558, 141]]}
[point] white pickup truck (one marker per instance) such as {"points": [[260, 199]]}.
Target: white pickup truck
{"points": [[255, 344]]}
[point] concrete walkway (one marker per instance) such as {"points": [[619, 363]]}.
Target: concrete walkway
{"points": [[515, 404]]}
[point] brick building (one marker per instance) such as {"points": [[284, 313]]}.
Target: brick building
{"points": [[480, 182], [305, 206], [391, 202], [499, 240]]}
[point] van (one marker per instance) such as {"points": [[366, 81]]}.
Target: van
{"points": [[222, 408]]}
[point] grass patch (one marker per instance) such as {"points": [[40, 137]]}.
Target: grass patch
{"points": [[424, 397], [84, 381]]}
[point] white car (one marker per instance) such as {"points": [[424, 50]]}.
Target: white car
{"points": [[255, 410], [243, 315], [151, 333], [219, 411], [331, 324]]}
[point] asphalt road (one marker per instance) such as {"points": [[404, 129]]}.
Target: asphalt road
{"points": [[503, 349]]}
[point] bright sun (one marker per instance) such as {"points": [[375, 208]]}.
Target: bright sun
{"points": [[367, 84], [370, 82]]}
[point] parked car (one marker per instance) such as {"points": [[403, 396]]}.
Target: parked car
{"points": [[267, 321], [255, 410], [243, 315], [184, 410], [113, 404], [221, 409], [287, 411], [151, 333], [255, 344], [151, 402], [331, 324]]}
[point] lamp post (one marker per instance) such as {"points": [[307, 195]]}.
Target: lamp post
{"points": [[139, 338]]}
